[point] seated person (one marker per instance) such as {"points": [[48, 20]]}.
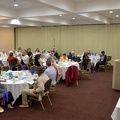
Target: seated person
{"points": [[56, 68], [29, 52], [42, 59], [6, 96], [36, 61], [24, 58], [38, 89], [75, 58], [64, 58], [15, 53], [88, 52], [11, 57], [37, 51], [84, 64], [19, 50], [53, 56], [56, 53], [70, 56], [51, 72], [3, 53], [102, 61]]}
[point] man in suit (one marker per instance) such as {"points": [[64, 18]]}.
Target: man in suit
{"points": [[38, 89]]}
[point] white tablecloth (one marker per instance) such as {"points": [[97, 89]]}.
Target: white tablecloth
{"points": [[16, 87], [94, 59], [116, 113], [63, 66]]}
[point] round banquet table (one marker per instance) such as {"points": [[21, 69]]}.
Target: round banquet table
{"points": [[63, 66], [15, 88]]}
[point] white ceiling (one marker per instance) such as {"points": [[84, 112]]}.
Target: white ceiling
{"points": [[46, 12]]}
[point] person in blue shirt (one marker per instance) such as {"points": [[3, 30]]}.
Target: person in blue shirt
{"points": [[102, 60]]}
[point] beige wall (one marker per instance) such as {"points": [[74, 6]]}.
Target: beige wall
{"points": [[67, 38], [6, 39]]}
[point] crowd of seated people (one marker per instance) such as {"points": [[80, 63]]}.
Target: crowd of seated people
{"points": [[50, 71], [39, 58]]}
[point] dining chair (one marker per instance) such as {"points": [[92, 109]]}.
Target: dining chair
{"points": [[87, 71], [103, 67], [46, 91], [5, 68], [108, 60], [71, 75], [14, 63]]}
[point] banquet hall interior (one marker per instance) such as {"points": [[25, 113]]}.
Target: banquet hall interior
{"points": [[67, 25]]}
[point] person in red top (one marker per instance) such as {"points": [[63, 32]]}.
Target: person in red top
{"points": [[11, 57]]}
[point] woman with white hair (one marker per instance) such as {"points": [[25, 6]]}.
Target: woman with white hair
{"points": [[3, 53]]}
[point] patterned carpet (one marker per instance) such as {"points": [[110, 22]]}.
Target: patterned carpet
{"points": [[93, 99]]}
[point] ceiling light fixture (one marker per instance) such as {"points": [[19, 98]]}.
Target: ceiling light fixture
{"points": [[60, 15], [15, 4], [110, 11], [117, 15], [73, 18]]}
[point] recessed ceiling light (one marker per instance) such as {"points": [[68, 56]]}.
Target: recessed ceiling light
{"points": [[110, 11], [15, 5], [117, 15], [73, 18], [60, 15]]}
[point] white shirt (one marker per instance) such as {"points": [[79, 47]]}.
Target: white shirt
{"points": [[42, 60], [25, 59], [3, 55]]}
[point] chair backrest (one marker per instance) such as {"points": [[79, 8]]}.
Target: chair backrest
{"points": [[13, 62], [109, 58], [5, 68], [47, 85]]}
